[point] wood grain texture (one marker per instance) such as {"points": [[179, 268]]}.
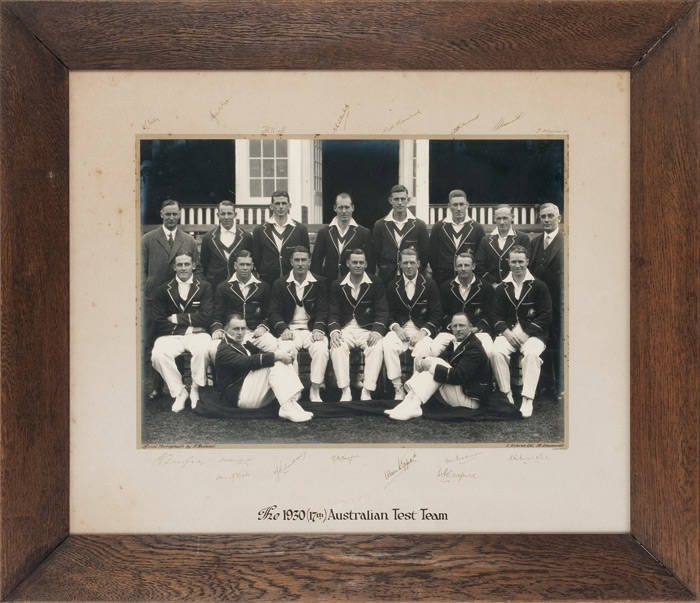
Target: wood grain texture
{"points": [[665, 284], [34, 301], [356, 568], [351, 34]]}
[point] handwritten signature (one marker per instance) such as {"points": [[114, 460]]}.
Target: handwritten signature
{"points": [[283, 468], [402, 465]]}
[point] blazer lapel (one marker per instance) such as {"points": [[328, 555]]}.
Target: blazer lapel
{"points": [[194, 289], [236, 290], [474, 290]]}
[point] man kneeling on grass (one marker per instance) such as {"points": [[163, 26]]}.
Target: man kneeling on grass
{"points": [[461, 374], [249, 378]]}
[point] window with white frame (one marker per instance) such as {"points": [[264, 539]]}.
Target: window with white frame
{"points": [[268, 167]]}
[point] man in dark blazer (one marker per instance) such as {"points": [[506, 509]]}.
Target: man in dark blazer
{"points": [[469, 294], [455, 234], [248, 296], [335, 241], [273, 241], [492, 254], [547, 264], [158, 250], [248, 377], [396, 231], [182, 311], [522, 314], [219, 246], [357, 317], [298, 317], [415, 313], [460, 375]]}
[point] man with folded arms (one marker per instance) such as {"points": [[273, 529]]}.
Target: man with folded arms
{"points": [[335, 241], [455, 234], [416, 311], [246, 295], [522, 314], [298, 313], [460, 375], [219, 247], [181, 313], [247, 377], [357, 317]]}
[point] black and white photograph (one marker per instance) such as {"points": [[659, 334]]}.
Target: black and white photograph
{"points": [[352, 291]]}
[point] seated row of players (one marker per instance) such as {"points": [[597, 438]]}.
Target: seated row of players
{"points": [[256, 332]]}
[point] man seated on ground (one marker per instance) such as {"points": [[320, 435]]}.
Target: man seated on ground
{"points": [[181, 313], [460, 375], [522, 313], [247, 377], [298, 313], [247, 296], [469, 294], [335, 242], [357, 317], [415, 311], [492, 252]]}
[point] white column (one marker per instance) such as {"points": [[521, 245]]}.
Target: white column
{"points": [[242, 173], [406, 165], [423, 179], [296, 175]]}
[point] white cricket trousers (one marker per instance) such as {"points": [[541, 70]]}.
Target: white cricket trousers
{"points": [[394, 347], [169, 347], [267, 343], [318, 350], [356, 337], [279, 379], [424, 386], [530, 348]]}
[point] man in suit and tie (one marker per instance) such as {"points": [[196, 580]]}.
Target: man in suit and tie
{"points": [[273, 241], [455, 234], [357, 317], [492, 254], [396, 231], [335, 241], [469, 294], [248, 296], [249, 377], [460, 375], [415, 312], [219, 246], [182, 311], [298, 315], [158, 250], [522, 314], [547, 264]]}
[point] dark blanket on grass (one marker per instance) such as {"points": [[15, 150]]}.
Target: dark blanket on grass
{"points": [[495, 408]]}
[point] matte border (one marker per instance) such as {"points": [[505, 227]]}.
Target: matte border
{"points": [[658, 41]]}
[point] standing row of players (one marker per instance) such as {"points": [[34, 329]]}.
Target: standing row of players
{"points": [[348, 252]]}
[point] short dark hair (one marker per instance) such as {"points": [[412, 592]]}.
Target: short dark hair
{"points": [[167, 202], [456, 193], [357, 251], [410, 250], [503, 206], [519, 249], [233, 316], [179, 255], [398, 188], [227, 202], [280, 194], [460, 314], [345, 196], [464, 255], [300, 249], [243, 253]]}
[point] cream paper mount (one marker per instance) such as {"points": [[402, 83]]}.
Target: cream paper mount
{"points": [[117, 487]]}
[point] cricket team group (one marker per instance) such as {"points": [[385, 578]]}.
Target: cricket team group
{"points": [[244, 304]]}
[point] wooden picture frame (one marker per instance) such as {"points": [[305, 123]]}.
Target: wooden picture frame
{"points": [[658, 41]]}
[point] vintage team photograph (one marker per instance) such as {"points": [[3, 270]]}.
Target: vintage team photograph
{"points": [[352, 292]]}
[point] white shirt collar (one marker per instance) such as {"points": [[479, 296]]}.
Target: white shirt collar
{"points": [[252, 279], [232, 230], [390, 217], [365, 279], [189, 281], [271, 220], [471, 282], [449, 220], [334, 222], [309, 279], [407, 280], [511, 232], [169, 232], [551, 235], [510, 279]]}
